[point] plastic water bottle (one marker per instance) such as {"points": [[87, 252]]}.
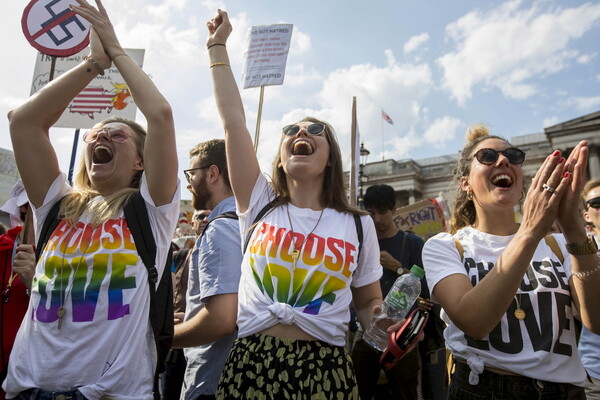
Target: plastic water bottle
{"points": [[396, 305]]}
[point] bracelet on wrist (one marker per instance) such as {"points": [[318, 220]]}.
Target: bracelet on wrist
{"points": [[589, 247], [95, 63], [218, 64], [215, 44], [585, 274]]}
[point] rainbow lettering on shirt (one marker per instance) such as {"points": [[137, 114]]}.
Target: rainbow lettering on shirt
{"points": [[95, 260], [333, 258]]}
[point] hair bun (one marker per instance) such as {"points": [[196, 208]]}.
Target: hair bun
{"points": [[477, 131]]}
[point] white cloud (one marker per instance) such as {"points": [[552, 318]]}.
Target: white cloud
{"points": [[586, 58], [415, 42], [442, 130], [510, 45], [551, 121], [585, 104]]}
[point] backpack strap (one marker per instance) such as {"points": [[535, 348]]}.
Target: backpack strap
{"points": [[50, 224], [161, 295], [228, 214], [460, 249], [359, 233], [553, 244]]}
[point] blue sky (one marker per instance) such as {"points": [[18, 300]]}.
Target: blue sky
{"points": [[435, 67]]}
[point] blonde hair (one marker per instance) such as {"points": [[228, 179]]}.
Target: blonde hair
{"points": [[79, 201], [464, 212], [333, 192]]}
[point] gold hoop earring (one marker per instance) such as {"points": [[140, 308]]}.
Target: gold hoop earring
{"points": [[470, 195]]}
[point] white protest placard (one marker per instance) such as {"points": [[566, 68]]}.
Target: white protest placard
{"points": [[266, 55], [106, 96]]}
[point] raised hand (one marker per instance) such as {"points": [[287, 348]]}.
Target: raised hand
{"points": [[219, 28], [544, 195], [575, 175], [102, 26]]}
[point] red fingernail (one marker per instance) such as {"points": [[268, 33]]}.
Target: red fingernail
{"points": [[566, 175], [562, 159], [556, 153]]}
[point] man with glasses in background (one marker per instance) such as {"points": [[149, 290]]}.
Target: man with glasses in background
{"points": [[209, 326], [589, 342]]}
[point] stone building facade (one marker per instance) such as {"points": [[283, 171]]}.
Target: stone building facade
{"points": [[416, 180]]}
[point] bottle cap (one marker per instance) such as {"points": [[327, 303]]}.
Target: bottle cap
{"points": [[417, 271]]}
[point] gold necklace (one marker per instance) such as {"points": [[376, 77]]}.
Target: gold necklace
{"points": [[61, 310], [297, 249], [519, 312]]}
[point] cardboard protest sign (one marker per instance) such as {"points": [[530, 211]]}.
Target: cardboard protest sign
{"points": [[266, 55], [423, 218]]}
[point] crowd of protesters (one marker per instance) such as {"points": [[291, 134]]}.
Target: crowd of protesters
{"points": [[275, 266]]}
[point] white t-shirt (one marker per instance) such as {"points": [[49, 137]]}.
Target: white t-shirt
{"points": [[316, 296], [105, 346], [543, 345]]}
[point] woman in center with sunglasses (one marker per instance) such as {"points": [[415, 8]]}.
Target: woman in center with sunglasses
{"points": [[303, 265], [509, 292], [88, 333]]}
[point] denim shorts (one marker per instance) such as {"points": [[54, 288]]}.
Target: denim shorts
{"points": [[40, 394], [494, 386]]}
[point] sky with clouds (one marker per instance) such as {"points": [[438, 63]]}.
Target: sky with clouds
{"points": [[435, 67]]}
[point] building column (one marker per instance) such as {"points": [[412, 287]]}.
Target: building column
{"points": [[594, 162], [411, 196]]}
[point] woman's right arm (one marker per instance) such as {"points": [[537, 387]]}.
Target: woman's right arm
{"points": [[241, 159], [30, 124]]}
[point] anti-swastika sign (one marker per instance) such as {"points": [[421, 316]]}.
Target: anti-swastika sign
{"points": [[54, 29]]}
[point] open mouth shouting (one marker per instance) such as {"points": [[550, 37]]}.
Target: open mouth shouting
{"points": [[102, 154], [302, 147], [502, 181]]}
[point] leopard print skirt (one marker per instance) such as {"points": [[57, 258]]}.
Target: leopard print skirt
{"points": [[266, 367]]}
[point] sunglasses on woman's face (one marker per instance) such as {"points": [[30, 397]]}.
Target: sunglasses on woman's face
{"points": [[594, 203], [117, 135], [313, 129], [489, 156]]}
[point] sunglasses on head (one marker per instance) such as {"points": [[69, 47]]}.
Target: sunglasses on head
{"points": [[490, 156], [117, 135], [313, 129], [594, 203]]}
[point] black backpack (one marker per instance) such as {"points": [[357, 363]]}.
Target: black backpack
{"points": [[161, 298]]}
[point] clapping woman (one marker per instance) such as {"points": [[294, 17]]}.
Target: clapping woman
{"points": [[87, 333], [509, 292]]}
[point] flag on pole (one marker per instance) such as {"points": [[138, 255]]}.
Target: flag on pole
{"points": [[386, 117]]}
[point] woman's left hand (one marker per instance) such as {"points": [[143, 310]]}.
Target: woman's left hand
{"points": [[575, 169]]}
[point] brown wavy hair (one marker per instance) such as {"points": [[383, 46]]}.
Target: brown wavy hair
{"points": [[333, 192], [79, 200]]}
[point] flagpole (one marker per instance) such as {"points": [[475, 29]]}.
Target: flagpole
{"points": [[258, 117], [382, 147], [352, 180]]}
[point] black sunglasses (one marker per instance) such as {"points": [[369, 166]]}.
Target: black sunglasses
{"points": [[490, 156], [188, 173], [594, 203], [313, 129]]}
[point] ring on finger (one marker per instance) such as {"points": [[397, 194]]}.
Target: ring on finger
{"points": [[548, 188]]}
